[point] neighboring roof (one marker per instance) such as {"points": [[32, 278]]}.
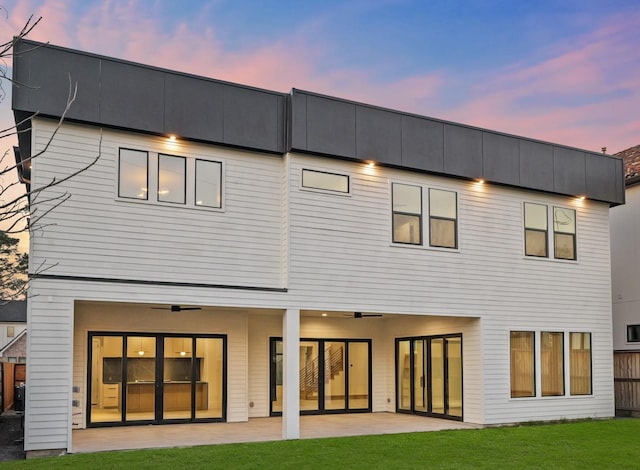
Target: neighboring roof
{"points": [[13, 311], [119, 94], [631, 158]]}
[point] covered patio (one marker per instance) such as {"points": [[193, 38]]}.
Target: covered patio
{"points": [[254, 430]]}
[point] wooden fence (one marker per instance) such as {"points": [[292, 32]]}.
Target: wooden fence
{"points": [[12, 375], [626, 373]]}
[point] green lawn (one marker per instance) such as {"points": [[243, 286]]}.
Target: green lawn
{"points": [[589, 444]]}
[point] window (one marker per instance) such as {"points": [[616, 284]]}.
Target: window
{"points": [[633, 333], [552, 363], [407, 213], [442, 218], [535, 230], [580, 363], [10, 331], [13, 360], [523, 368], [208, 183], [133, 176], [171, 179], [564, 233], [325, 181]]}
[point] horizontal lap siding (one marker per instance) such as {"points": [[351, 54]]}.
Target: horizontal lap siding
{"points": [[625, 267], [48, 392], [341, 253], [93, 234]]}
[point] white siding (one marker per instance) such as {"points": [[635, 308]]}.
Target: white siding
{"points": [[341, 257], [97, 235], [333, 253], [625, 268]]}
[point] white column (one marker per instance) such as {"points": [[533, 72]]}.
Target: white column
{"points": [[291, 374]]}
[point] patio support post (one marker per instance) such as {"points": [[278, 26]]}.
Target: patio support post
{"points": [[291, 374]]}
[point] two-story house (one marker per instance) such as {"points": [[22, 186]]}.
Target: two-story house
{"points": [[237, 252], [625, 271]]}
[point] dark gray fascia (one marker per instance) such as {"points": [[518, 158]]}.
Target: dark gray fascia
{"points": [[424, 144], [124, 95]]}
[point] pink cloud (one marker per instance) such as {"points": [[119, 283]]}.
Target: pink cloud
{"points": [[585, 96], [582, 93]]}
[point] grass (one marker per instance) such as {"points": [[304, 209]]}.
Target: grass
{"points": [[587, 444]]}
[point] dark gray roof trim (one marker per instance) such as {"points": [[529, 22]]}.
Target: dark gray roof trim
{"points": [[335, 127], [125, 95], [13, 311]]}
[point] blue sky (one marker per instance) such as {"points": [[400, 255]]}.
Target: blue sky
{"points": [[562, 71]]}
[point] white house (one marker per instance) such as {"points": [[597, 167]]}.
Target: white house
{"points": [[240, 253], [625, 270]]}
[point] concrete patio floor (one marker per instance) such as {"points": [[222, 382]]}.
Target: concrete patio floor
{"points": [[256, 429]]}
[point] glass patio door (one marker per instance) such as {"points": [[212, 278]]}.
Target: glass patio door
{"points": [[335, 376], [429, 375], [153, 378]]}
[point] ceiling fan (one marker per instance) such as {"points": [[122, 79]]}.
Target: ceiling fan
{"points": [[176, 308], [363, 315]]}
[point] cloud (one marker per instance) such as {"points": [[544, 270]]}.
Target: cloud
{"points": [[582, 93], [585, 94]]}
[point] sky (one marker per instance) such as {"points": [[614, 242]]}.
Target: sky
{"points": [[561, 71]]}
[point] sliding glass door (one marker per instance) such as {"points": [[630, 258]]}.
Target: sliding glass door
{"points": [[429, 375], [152, 378], [335, 376]]}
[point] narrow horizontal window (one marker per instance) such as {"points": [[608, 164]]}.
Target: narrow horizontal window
{"points": [[208, 183], [171, 179], [564, 233], [552, 363], [407, 213], [326, 181], [580, 363], [535, 230], [523, 365], [633, 333], [443, 218], [133, 174]]}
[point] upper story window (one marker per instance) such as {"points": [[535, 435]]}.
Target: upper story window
{"points": [[133, 177], [171, 179], [564, 233], [536, 231], [407, 213], [633, 333], [10, 331], [443, 217], [407, 216], [208, 183], [325, 181]]}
